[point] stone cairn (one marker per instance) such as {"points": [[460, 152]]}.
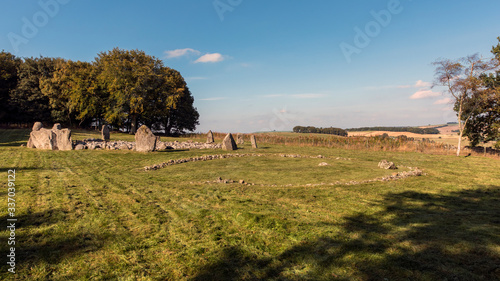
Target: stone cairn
{"points": [[96, 144], [228, 143], [384, 164], [53, 139]]}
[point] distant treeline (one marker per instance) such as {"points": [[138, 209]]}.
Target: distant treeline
{"points": [[415, 130], [314, 130]]}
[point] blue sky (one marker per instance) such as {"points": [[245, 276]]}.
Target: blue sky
{"points": [[257, 65]]}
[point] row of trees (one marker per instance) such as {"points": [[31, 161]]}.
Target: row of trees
{"points": [[474, 84], [123, 88], [415, 130], [314, 130]]}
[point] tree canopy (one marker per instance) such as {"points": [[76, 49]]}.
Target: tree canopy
{"points": [[123, 88], [9, 65], [484, 107], [463, 81]]}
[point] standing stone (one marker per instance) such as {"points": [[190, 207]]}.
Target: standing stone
{"points": [[228, 143], [239, 139], [62, 139], [42, 139], [210, 137], [57, 126], [37, 126], [105, 132], [253, 140], [145, 140]]}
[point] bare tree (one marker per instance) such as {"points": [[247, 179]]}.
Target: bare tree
{"points": [[462, 79]]}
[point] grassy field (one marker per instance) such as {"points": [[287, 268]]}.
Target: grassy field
{"points": [[97, 215]]}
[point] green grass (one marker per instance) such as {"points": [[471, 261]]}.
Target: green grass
{"points": [[97, 215]]}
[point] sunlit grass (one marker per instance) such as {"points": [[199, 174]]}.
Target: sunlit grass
{"points": [[98, 215]]}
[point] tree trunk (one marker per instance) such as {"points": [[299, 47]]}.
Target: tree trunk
{"points": [[133, 125], [167, 126], [459, 143], [461, 126]]}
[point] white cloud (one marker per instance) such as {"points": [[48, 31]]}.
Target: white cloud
{"points": [[418, 84], [443, 101], [180, 52], [422, 84], [422, 94], [215, 57]]}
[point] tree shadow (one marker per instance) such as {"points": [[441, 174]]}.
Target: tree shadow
{"points": [[5, 170], [14, 137], [46, 218], [35, 242], [171, 150], [417, 236]]}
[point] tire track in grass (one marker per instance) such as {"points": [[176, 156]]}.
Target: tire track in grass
{"points": [[103, 210], [121, 203], [41, 223], [146, 195], [92, 188], [183, 232], [77, 217]]}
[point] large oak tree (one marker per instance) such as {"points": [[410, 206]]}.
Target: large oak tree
{"points": [[131, 78]]}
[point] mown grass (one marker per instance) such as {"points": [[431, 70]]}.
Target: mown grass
{"points": [[98, 215]]}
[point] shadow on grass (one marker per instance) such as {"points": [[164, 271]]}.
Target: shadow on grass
{"points": [[5, 170], [171, 150], [418, 236], [14, 137], [41, 244], [46, 218]]}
